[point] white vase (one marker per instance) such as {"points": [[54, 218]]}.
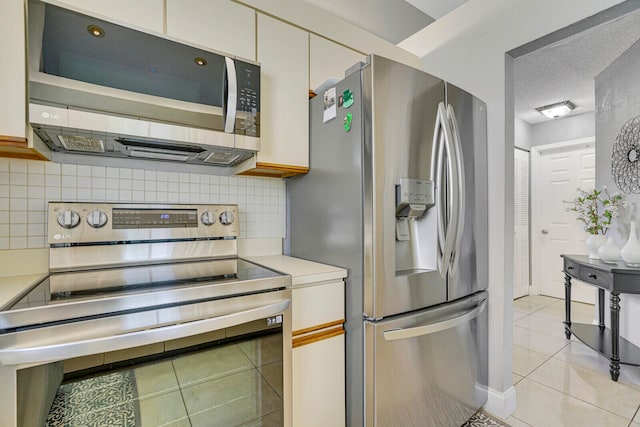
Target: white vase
{"points": [[631, 251], [594, 241], [609, 252]]}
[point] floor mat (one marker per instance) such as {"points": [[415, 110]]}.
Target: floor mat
{"points": [[106, 400], [482, 419]]}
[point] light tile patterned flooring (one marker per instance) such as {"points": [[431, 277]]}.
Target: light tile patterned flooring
{"points": [[237, 384], [562, 382]]}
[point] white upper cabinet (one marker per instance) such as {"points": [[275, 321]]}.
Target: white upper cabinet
{"points": [[12, 71], [329, 60], [145, 14], [220, 25], [283, 53]]}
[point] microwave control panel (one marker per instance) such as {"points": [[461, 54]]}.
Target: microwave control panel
{"points": [[248, 76]]}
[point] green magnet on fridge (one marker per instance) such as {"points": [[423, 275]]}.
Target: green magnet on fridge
{"points": [[347, 122], [347, 98]]}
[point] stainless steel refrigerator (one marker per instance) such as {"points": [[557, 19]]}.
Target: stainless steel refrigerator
{"points": [[397, 194]]}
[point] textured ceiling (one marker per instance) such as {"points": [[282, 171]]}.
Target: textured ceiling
{"points": [[566, 69]]}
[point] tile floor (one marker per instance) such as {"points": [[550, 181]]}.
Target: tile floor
{"points": [[562, 382], [236, 384]]}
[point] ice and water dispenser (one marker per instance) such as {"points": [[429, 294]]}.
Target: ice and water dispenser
{"points": [[413, 198]]}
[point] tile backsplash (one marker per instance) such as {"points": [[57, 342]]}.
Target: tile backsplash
{"points": [[27, 185]]}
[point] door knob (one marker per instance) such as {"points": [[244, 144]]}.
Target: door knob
{"points": [[545, 231]]}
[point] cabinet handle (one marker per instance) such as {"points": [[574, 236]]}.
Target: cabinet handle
{"points": [[570, 267], [591, 276]]}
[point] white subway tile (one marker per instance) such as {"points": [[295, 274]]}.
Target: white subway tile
{"points": [[69, 194], [18, 242], [83, 181], [113, 173], [51, 168], [98, 194], [98, 182], [137, 185], [36, 167], [4, 242], [4, 178], [162, 186], [149, 186], [4, 164], [150, 196], [112, 195], [36, 217], [138, 174], [112, 183], [137, 196], [184, 198], [35, 229], [69, 170], [35, 192], [4, 230], [84, 170], [4, 191], [184, 187], [36, 242], [194, 178], [98, 171], [173, 187], [17, 230], [16, 204], [4, 217], [125, 184], [125, 195], [68, 181], [18, 178], [125, 173], [173, 197], [37, 205], [52, 180], [150, 175], [205, 179], [161, 197], [84, 194], [18, 166], [162, 176]]}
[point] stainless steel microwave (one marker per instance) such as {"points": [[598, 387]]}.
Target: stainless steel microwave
{"points": [[97, 87]]}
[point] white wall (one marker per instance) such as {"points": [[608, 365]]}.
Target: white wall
{"points": [[467, 47], [522, 131], [568, 128]]}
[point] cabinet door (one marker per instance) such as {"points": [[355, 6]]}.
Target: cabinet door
{"points": [[12, 73], [329, 60], [144, 14], [283, 52], [220, 25], [317, 305], [318, 383]]}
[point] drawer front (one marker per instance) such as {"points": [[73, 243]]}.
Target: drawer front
{"points": [[317, 305], [596, 277], [571, 268]]}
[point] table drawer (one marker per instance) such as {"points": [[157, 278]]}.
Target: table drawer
{"points": [[571, 267], [596, 277]]}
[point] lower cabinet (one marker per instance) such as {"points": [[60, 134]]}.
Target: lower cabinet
{"points": [[318, 355], [318, 383]]}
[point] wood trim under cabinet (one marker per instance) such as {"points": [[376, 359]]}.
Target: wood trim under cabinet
{"points": [[18, 147], [310, 339], [275, 170], [317, 327]]}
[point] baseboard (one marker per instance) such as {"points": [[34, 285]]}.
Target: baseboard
{"points": [[501, 404]]}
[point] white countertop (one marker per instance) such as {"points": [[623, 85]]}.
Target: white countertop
{"points": [[12, 286], [302, 272]]}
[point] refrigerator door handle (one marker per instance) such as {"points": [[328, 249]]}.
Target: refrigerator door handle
{"points": [[459, 190], [432, 328], [437, 160], [452, 216]]}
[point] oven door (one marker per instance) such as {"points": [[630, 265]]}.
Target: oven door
{"points": [[39, 346]]}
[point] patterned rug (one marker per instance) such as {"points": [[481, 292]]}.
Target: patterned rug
{"points": [[106, 400], [482, 419]]}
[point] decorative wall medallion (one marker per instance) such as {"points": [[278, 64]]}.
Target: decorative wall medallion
{"points": [[625, 159]]}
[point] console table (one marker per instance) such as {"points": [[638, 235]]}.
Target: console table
{"points": [[615, 278]]}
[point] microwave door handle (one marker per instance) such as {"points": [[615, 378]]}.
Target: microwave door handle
{"points": [[231, 102], [459, 189], [432, 328]]}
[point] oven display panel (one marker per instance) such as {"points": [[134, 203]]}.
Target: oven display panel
{"points": [[154, 218]]}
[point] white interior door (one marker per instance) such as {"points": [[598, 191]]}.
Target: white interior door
{"points": [[521, 224], [557, 172]]}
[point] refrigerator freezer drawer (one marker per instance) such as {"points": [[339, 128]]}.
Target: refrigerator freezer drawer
{"points": [[427, 368]]}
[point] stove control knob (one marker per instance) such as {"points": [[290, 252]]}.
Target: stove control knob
{"points": [[68, 218], [208, 218], [226, 218], [97, 219]]}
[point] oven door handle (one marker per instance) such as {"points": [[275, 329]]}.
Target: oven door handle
{"points": [[33, 352]]}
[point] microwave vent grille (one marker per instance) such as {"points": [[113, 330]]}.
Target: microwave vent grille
{"points": [[82, 143], [222, 157]]}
